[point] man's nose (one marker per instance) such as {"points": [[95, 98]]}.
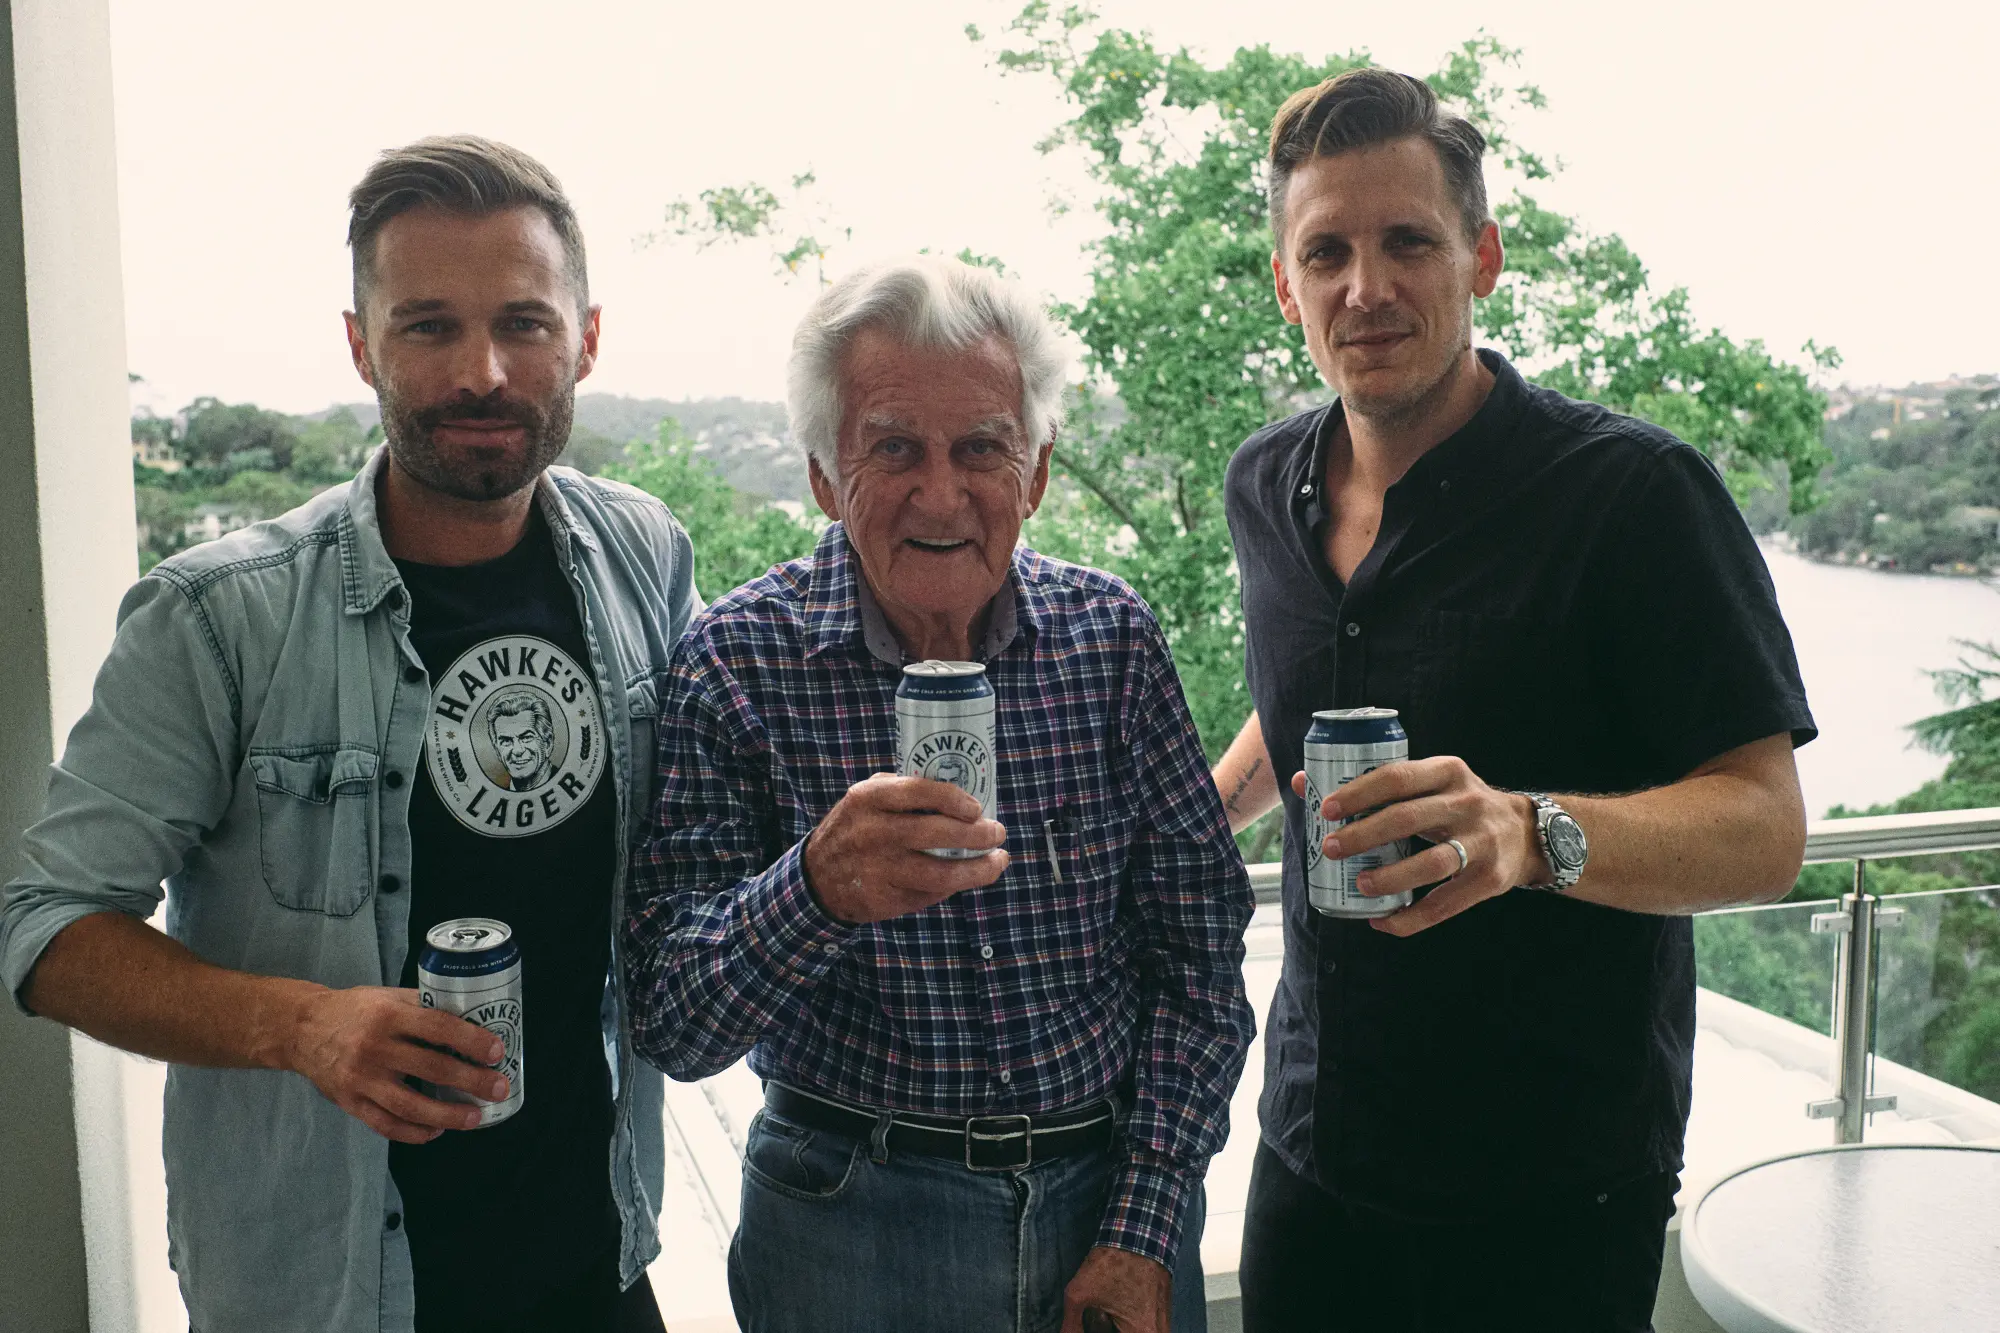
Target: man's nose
{"points": [[938, 484], [1370, 283], [477, 368]]}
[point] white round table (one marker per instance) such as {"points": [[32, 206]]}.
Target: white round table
{"points": [[1868, 1238]]}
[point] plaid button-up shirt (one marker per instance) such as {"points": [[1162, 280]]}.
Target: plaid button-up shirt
{"points": [[1106, 960]]}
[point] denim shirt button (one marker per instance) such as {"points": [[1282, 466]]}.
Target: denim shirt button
{"points": [[413, 674], [393, 1221], [395, 599], [394, 779], [390, 884]]}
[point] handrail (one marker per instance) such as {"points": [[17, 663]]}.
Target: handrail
{"points": [[1879, 837], [1865, 838]]}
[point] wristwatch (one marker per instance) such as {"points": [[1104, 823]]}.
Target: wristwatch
{"points": [[1563, 843]]}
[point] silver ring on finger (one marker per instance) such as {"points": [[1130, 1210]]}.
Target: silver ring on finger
{"points": [[1463, 859]]}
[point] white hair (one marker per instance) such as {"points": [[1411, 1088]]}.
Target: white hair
{"points": [[921, 302]]}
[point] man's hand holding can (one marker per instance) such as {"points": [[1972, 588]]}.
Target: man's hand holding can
{"points": [[870, 858]]}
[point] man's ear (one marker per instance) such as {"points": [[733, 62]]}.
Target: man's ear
{"points": [[1491, 256], [1288, 301], [1038, 484], [586, 360], [823, 492], [357, 347]]}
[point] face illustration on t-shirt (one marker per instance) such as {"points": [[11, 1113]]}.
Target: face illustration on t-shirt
{"points": [[516, 739]]}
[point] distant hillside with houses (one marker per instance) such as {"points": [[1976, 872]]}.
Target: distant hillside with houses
{"points": [[1914, 484], [214, 467]]}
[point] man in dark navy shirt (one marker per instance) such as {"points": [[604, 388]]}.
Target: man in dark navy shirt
{"points": [[1474, 1107]]}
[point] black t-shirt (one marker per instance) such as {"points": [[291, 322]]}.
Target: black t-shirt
{"points": [[1568, 600], [515, 818]]}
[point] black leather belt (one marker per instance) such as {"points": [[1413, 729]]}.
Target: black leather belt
{"points": [[982, 1143]]}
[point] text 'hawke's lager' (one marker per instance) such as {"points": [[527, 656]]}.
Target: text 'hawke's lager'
{"points": [[471, 967], [1341, 745], [944, 731]]}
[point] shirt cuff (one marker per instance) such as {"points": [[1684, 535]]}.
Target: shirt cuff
{"points": [[789, 930], [1149, 1207]]}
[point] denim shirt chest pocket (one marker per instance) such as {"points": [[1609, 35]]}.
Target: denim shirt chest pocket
{"points": [[316, 816]]}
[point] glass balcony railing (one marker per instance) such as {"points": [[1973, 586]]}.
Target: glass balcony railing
{"points": [[1936, 1001], [1771, 959]]}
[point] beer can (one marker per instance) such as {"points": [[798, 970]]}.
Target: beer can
{"points": [[944, 731], [1341, 745], [471, 967]]}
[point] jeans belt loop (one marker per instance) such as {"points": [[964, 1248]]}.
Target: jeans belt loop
{"points": [[878, 1141]]}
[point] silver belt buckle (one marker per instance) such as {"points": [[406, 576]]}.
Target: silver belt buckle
{"points": [[1026, 1134]]}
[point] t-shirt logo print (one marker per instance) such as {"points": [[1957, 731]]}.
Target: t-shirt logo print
{"points": [[516, 739]]}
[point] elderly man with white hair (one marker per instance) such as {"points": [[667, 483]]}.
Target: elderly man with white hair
{"points": [[992, 1084]]}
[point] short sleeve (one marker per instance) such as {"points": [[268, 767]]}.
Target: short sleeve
{"points": [[1693, 650]]}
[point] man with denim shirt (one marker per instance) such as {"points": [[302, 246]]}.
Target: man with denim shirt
{"points": [[294, 731], [992, 1084]]}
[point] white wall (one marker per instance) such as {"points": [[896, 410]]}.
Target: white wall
{"points": [[66, 554]]}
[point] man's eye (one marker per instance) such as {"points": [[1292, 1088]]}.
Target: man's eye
{"points": [[524, 324], [425, 327]]}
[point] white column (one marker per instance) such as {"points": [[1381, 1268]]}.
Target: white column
{"points": [[66, 554]]}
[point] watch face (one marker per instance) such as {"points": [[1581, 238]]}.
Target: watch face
{"points": [[1566, 844]]}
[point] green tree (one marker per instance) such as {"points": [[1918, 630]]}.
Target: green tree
{"points": [[1186, 353], [737, 537], [1181, 326], [328, 450], [216, 431], [265, 494]]}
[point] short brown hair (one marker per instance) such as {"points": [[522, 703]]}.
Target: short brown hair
{"points": [[1370, 106], [461, 173]]}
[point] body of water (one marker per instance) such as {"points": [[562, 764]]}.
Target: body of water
{"points": [[1865, 640]]}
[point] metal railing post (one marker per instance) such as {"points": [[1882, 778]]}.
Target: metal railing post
{"points": [[1853, 1012]]}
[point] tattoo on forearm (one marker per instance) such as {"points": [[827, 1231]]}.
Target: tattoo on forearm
{"points": [[1243, 785]]}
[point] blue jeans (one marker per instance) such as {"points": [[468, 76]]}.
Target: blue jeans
{"points": [[832, 1241]]}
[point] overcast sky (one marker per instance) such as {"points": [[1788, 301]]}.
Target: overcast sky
{"points": [[1819, 170]]}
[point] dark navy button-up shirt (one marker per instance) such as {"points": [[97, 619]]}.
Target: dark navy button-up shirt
{"points": [[1122, 976], [1569, 601]]}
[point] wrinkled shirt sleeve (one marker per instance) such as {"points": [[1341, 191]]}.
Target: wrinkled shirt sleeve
{"points": [[147, 771], [1192, 895], [724, 936]]}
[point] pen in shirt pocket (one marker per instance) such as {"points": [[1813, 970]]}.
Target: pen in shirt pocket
{"points": [[1060, 822]]}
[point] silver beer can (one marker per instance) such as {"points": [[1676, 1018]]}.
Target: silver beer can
{"points": [[471, 966], [944, 731], [1341, 745]]}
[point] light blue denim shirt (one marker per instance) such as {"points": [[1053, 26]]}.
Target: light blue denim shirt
{"points": [[250, 743]]}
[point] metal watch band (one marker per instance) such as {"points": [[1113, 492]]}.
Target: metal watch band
{"points": [[1546, 811]]}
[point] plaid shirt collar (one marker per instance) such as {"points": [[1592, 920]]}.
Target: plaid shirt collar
{"points": [[841, 611]]}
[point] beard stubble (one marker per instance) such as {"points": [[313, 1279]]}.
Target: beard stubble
{"points": [[410, 430]]}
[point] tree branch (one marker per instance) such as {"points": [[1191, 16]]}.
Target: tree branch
{"points": [[1067, 461]]}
